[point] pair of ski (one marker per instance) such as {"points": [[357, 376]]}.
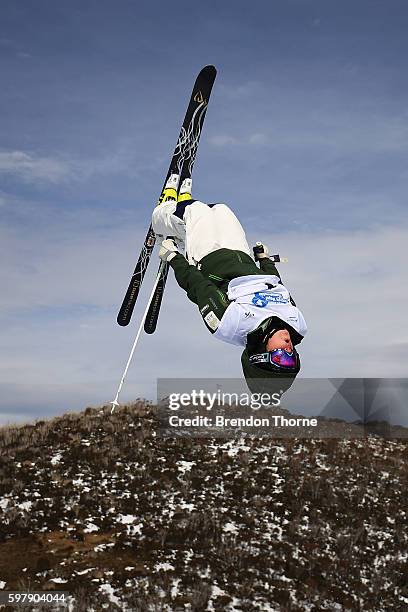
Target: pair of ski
{"points": [[176, 182]]}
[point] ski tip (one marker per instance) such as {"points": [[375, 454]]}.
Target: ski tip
{"points": [[121, 321], [150, 328], [210, 68]]}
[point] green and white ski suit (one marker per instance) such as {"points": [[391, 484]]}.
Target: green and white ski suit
{"points": [[233, 295]]}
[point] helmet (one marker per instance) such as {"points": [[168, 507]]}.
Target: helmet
{"points": [[264, 377], [269, 371]]}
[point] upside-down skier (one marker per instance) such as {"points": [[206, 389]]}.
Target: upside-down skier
{"points": [[240, 303]]}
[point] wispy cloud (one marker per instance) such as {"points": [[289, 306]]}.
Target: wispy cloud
{"points": [[337, 132], [354, 131], [34, 168], [226, 140], [223, 140], [238, 92]]}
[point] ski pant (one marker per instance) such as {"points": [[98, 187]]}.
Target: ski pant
{"points": [[201, 228]]}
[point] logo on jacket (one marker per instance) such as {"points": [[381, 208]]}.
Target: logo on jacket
{"points": [[263, 298]]}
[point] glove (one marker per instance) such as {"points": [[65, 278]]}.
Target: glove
{"points": [[261, 251], [168, 250]]}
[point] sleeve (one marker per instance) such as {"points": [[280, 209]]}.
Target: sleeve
{"points": [[211, 301], [268, 266]]}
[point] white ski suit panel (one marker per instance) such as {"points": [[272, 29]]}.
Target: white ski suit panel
{"points": [[204, 229]]}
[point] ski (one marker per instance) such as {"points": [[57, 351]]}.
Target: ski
{"points": [[154, 310], [181, 164], [190, 153]]}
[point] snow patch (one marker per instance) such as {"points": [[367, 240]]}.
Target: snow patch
{"points": [[25, 505], [132, 530], [230, 528], [108, 590], [78, 482], [91, 527], [164, 566], [126, 519], [216, 591], [185, 466], [186, 506], [85, 571], [4, 503], [101, 547], [174, 589], [56, 458]]}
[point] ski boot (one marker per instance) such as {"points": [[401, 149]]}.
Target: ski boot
{"points": [[185, 190], [170, 189]]}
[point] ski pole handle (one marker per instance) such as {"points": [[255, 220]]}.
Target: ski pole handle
{"points": [[260, 248]]}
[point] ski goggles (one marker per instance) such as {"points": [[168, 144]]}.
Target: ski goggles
{"points": [[276, 359]]}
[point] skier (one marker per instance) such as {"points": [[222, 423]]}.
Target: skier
{"points": [[240, 303]]}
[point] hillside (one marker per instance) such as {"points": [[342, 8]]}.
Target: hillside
{"points": [[98, 505]]}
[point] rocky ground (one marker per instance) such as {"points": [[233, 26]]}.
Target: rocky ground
{"points": [[98, 505]]}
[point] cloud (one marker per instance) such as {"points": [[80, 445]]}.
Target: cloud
{"points": [[353, 297], [33, 168], [354, 132], [257, 139], [239, 92], [123, 159], [226, 140], [223, 140]]}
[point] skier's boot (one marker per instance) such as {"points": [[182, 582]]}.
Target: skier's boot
{"points": [[170, 190], [185, 190]]}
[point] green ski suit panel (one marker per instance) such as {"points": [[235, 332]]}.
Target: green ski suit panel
{"points": [[207, 287]]}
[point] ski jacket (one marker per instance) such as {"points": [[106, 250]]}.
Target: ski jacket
{"points": [[253, 299], [234, 296]]}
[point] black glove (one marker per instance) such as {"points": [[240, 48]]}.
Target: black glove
{"points": [[260, 251]]}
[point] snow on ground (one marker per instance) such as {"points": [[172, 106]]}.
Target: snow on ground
{"points": [[252, 524]]}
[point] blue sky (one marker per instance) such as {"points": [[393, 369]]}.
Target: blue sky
{"points": [[306, 138]]}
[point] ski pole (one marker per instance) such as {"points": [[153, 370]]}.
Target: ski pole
{"points": [[115, 401]]}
